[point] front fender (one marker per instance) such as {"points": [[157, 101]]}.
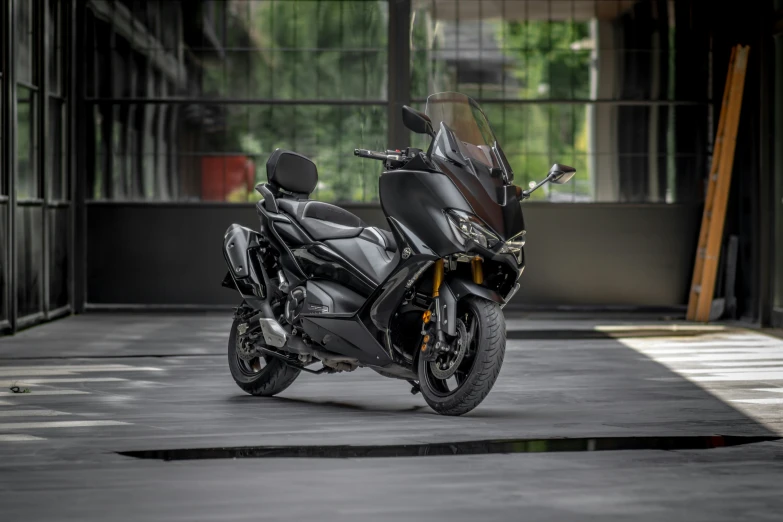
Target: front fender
{"points": [[454, 289], [464, 287]]}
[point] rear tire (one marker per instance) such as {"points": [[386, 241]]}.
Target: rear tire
{"points": [[264, 376], [477, 374]]}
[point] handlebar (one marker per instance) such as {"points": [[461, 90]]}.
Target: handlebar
{"points": [[364, 153], [393, 159]]}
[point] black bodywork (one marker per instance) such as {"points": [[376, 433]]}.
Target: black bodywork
{"points": [[365, 288]]}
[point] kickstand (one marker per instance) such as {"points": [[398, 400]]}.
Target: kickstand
{"points": [[415, 388]]}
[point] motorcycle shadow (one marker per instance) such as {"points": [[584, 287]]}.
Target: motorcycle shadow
{"points": [[486, 413], [333, 404]]}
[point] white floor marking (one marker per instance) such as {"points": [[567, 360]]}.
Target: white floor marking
{"points": [[705, 345], [6, 403], [724, 357], [58, 424], [682, 379], [31, 413], [749, 364], [12, 372], [21, 382], [701, 352], [750, 376], [747, 369], [81, 366], [67, 370], [13, 437], [37, 392], [673, 328], [760, 401], [749, 359]]}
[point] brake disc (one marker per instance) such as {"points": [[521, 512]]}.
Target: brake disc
{"points": [[445, 369], [243, 347]]}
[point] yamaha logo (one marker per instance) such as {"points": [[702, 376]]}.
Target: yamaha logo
{"points": [[420, 271]]}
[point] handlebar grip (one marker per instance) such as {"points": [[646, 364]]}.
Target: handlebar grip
{"points": [[364, 153]]}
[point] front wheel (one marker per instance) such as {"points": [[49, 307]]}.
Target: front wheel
{"points": [[455, 384], [262, 376]]}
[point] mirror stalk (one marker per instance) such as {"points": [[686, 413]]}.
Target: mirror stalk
{"points": [[526, 193]]}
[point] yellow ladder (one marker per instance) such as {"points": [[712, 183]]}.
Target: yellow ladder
{"points": [[711, 236]]}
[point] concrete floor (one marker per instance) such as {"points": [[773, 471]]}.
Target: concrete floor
{"points": [[104, 383]]}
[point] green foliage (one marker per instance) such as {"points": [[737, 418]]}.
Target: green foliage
{"points": [[541, 65], [286, 50], [307, 51], [548, 68], [27, 186]]}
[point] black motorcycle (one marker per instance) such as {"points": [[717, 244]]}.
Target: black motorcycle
{"points": [[421, 302]]}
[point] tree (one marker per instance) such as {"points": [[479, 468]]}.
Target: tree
{"points": [[541, 65], [306, 51]]}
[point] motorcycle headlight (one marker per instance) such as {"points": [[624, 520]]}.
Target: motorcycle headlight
{"points": [[514, 246], [469, 227]]}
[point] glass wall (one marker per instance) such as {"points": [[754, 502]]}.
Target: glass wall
{"points": [[617, 88], [186, 99], [29, 212], [777, 227], [190, 98], [35, 225], [58, 186], [5, 246]]}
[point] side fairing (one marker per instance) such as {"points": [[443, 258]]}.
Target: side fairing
{"points": [[417, 200], [489, 198], [484, 187]]}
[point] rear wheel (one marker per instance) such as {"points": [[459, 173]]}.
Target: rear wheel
{"points": [[456, 383], [262, 376]]}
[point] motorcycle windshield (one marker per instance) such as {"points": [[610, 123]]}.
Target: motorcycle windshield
{"points": [[461, 115], [467, 151]]}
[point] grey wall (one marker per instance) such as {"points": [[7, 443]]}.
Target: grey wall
{"points": [[577, 254], [594, 254]]}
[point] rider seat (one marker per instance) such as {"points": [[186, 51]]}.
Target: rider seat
{"points": [[294, 177]]}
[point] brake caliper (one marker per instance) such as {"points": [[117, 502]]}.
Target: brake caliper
{"points": [[428, 351]]}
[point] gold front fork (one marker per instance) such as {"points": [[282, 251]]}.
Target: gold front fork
{"points": [[437, 278], [477, 269]]}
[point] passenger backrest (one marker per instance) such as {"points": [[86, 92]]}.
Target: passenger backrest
{"points": [[291, 171]]}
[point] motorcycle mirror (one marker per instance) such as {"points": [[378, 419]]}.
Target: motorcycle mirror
{"points": [[416, 121], [560, 174]]}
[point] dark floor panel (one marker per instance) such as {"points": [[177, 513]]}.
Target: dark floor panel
{"points": [[106, 383]]}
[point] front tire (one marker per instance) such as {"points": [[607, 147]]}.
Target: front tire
{"points": [[262, 376], [477, 372]]}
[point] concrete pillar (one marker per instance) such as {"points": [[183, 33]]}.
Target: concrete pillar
{"points": [[601, 117]]}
